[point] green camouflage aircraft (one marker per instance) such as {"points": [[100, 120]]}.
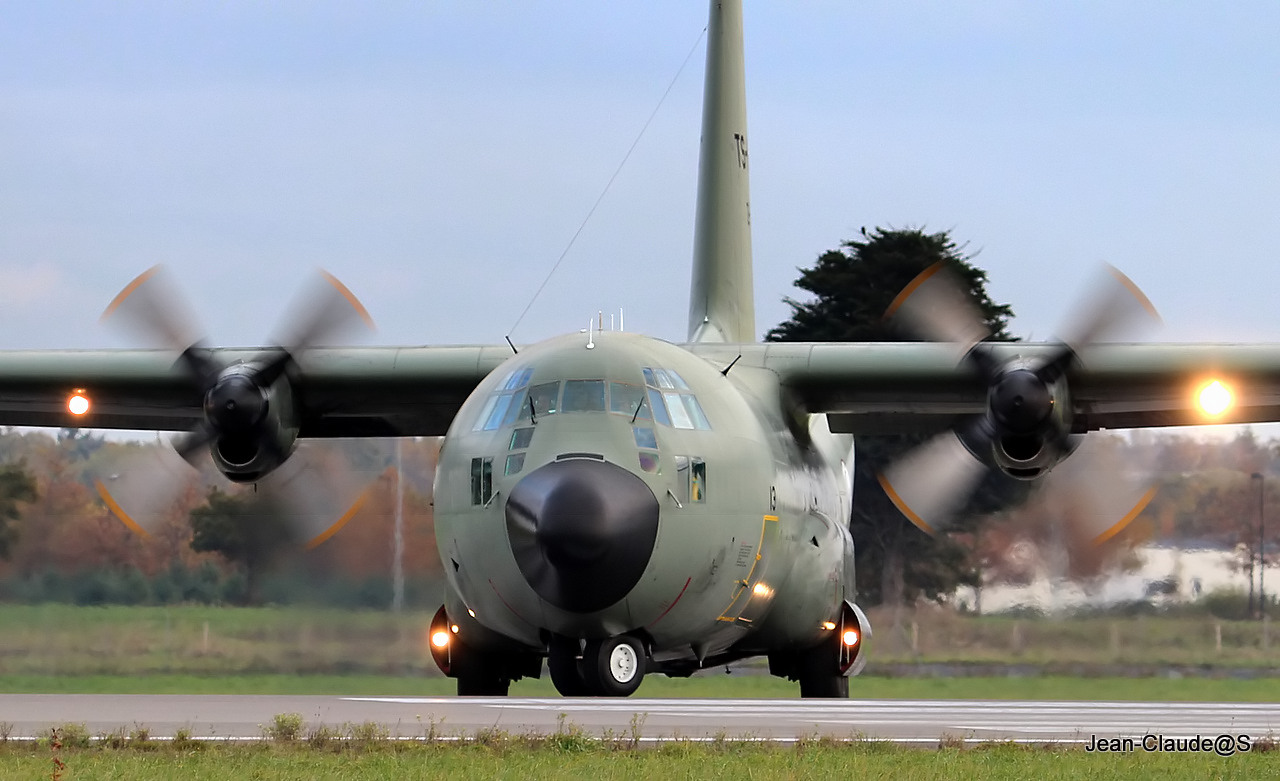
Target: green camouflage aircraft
{"points": [[620, 505]]}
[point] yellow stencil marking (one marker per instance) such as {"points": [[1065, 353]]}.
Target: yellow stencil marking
{"points": [[743, 584]]}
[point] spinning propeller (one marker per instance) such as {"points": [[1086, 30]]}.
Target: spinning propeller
{"points": [[249, 421], [1026, 427]]}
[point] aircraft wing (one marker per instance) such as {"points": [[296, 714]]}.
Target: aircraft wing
{"points": [[904, 387], [340, 392]]}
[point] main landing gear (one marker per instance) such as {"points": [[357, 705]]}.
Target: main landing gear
{"points": [[480, 673], [823, 669], [611, 667]]}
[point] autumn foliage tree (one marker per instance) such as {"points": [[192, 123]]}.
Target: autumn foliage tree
{"points": [[17, 488], [243, 529]]}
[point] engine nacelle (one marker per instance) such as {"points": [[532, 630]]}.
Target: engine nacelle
{"points": [[255, 428]]}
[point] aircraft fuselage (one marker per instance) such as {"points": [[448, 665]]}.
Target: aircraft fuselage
{"points": [[604, 484]]}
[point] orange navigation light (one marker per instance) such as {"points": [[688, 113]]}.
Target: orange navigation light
{"points": [[850, 637], [1214, 398], [440, 639], [78, 403]]}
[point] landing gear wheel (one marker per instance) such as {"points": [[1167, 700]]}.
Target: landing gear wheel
{"points": [[483, 686], [565, 666], [819, 673], [826, 686], [613, 667], [478, 674]]}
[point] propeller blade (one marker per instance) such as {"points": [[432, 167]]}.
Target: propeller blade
{"points": [[315, 491], [153, 309], [144, 492], [326, 310], [191, 445], [1113, 309], [932, 483], [1100, 492], [935, 307]]}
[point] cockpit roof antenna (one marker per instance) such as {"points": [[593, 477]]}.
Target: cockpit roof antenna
{"points": [[725, 371], [509, 344]]}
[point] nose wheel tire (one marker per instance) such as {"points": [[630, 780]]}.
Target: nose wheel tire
{"points": [[613, 667]]}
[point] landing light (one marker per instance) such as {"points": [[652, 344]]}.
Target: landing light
{"points": [[440, 639], [828, 625], [78, 403], [761, 590], [454, 629], [851, 637], [1215, 398]]}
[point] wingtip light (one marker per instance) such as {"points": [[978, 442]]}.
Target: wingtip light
{"points": [[1214, 398], [78, 403]]}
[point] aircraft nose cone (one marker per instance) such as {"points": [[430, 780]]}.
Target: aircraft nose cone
{"points": [[582, 532]]}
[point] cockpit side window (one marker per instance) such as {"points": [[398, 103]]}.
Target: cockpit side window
{"points": [[658, 407], [504, 406], [691, 479], [673, 402]]}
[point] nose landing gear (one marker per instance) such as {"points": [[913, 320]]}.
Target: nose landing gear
{"points": [[612, 667]]}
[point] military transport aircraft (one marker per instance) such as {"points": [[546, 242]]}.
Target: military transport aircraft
{"points": [[619, 505]]}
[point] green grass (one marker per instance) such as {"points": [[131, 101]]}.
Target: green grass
{"points": [[944, 636], [199, 649], [202, 640], [522, 759], [700, 686]]}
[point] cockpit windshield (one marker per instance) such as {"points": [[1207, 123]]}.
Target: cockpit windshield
{"points": [[665, 398]]}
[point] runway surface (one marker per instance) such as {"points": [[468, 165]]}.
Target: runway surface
{"points": [[908, 721]]}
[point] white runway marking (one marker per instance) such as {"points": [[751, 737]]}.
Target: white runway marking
{"points": [[910, 721]]}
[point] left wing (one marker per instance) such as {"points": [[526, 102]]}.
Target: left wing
{"points": [[338, 392]]}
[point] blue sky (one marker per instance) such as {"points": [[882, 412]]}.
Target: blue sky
{"points": [[438, 156]]}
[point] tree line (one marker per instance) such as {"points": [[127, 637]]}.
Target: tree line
{"points": [[59, 541]]}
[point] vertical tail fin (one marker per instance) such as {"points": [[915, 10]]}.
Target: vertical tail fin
{"points": [[721, 296]]}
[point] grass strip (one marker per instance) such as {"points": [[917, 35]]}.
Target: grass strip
{"points": [[571, 756], [705, 686]]}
